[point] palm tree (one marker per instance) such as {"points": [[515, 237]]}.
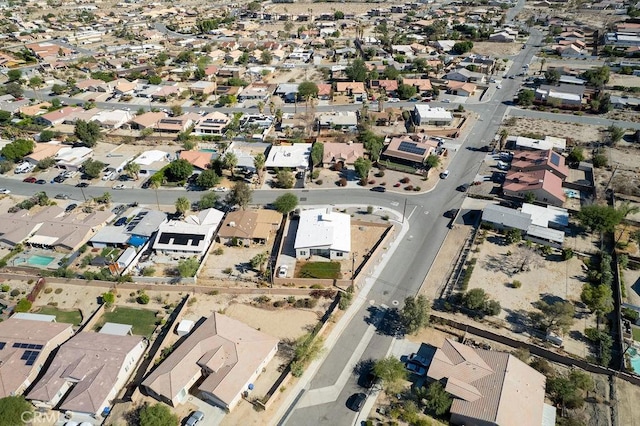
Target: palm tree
{"points": [[261, 107], [132, 169], [182, 205], [542, 62], [278, 115], [259, 260], [155, 184], [272, 107], [381, 101], [258, 162], [503, 137], [35, 83], [230, 162]]}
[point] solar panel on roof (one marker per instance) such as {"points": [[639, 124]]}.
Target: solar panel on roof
{"points": [[411, 148], [25, 355], [38, 347], [30, 362]]}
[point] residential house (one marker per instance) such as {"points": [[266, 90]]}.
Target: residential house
{"points": [[51, 228], [25, 345], [56, 117], [460, 88], [166, 92], [247, 227], [176, 124], [72, 158], [222, 355], [191, 237], [323, 232], [545, 186], [549, 142], [42, 151], [465, 76], [566, 95], [422, 85], [148, 120], [257, 92], [199, 159], [343, 153], [425, 115], [537, 224], [34, 110], [530, 161], [136, 232], [92, 85], [352, 89], [502, 37], [337, 120], [10, 104], [88, 372], [490, 387], [113, 119], [292, 157], [324, 91], [410, 150], [213, 123], [202, 88], [389, 87]]}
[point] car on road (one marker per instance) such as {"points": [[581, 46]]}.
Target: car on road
{"points": [[4, 191], [120, 186], [511, 77], [393, 100], [220, 189], [444, 174], [30, 180], [195, 418], [378, 189], [82, 185], [463, 188], [356, 401], [120, 221], [70, 207], [61, 197], [446, 101], [499, 86], [282, 271], [40, 181], [450, 214], [59, 179], [416, 369]]}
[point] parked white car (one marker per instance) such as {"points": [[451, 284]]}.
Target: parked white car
{"points": [[120, 186], [282, 271], [393, 100], [4, 191], [220, 189]]}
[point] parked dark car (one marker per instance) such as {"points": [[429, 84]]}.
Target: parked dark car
{"points": [[70, 207], [378, 189], [356, 401], [463, 187], [40, 181], [30, 180], [59, 179], [82, 185], [451, 213]]}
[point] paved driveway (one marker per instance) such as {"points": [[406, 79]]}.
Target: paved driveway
{"points": [[212, 415]]}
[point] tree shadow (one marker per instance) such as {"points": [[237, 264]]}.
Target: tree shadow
{"points": [[551, 298], [518, 318], [496, 263], [579, 336], [387, 323], [497, 240]]}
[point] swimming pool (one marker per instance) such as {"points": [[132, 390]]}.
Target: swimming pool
{"points": [[40, 260], [208, 150], [571, 193], [635, 360]]}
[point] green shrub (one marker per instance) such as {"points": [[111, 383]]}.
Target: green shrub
{"points": [[369, 209], [218, 252], [567, 253], [58, 291], [23, 305], [623, 261], [5, 288], [143, 298], [345, 300], [15, 292], [48, 290], [516, 284]]}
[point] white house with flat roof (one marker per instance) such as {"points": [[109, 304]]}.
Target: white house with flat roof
{"points": [[294, 156], [425, 115], [193, 236], [323, 232]]}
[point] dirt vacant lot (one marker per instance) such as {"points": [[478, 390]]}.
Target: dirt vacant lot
{"points": [[499, 265], [577, 133]]}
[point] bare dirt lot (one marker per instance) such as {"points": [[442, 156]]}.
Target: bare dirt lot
{"points": [[281, 323], [627, 397], [497, 50], [574, 132], [499, 265]]}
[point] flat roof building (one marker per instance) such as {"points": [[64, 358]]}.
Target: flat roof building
{"points": [[323, 232]]}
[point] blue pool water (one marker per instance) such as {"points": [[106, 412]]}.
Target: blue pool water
{"points": [[635, 360], [40, 260], [208, 150]]}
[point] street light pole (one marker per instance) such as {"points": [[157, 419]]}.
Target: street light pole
{"points": [[404, 210], [83, 196]]}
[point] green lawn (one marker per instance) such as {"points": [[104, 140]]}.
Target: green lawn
{"points": [[320, 270], [636, 333], [142, 320], [68, 317]]}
